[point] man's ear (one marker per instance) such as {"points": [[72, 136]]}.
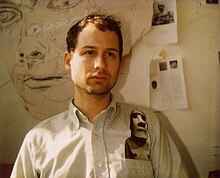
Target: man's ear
{"points": [[67, 58]]}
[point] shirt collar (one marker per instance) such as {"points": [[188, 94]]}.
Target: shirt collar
{"points": [[72, 116], [112, 107], [76, 116]]}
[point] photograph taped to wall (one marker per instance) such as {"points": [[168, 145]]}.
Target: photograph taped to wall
{"points": [[164, 23], [167, 85], [161, 14]]}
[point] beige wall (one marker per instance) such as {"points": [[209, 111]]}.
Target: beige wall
{"points": [[195, 130]]}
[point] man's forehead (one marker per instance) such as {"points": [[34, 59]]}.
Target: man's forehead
{"points": [[91, 36], [90, 27]]}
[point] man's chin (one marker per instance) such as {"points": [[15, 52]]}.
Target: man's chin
{"points": [[98, 90]]}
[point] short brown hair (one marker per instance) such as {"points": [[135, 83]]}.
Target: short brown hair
{"points": [[102, 22]]}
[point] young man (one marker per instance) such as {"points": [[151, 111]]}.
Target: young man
{"points": [[89, 139]]}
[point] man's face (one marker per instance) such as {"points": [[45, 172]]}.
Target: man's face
{"points": [[95, 63], [139, 126]]}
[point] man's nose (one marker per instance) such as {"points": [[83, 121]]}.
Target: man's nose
{"points": [[100, 62]]}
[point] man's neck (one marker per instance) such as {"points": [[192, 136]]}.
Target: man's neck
{"points": [[91, 105]]}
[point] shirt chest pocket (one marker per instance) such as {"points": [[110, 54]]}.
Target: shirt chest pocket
{"points": [[136, 168]]}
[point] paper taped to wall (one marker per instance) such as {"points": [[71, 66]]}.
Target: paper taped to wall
{"points": [[167, 87], [164, 23]]}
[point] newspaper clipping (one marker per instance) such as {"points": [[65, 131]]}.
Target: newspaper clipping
{"points": [[167, 87]]}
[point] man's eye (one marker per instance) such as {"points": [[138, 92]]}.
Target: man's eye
{"points": [[110, 54], [90, 52]]}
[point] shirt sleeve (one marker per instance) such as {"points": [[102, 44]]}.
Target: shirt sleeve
{"points": [[166, 159], [24, 164]]}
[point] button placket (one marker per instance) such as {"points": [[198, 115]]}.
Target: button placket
{"points": [[99, 150]]}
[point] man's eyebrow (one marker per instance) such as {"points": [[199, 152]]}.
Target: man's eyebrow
{"points": [[93, 47], [90, 47], [113, 49]]}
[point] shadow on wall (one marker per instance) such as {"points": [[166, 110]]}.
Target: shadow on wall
{"points": [[122, 78], [186, 157]]}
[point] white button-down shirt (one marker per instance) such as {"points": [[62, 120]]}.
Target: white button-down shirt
{"points": [[69, 146]]}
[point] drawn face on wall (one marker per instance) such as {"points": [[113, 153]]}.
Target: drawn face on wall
{"points": [[42, 82], [139, 124]]}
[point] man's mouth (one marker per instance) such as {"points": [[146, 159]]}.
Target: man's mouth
{"points": [[99, 77]]}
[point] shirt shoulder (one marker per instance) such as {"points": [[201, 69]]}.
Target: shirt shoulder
{"points": [[49, 127], [52, 121]]}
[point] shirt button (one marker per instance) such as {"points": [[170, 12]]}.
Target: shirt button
{"points": [[101, 164]]}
